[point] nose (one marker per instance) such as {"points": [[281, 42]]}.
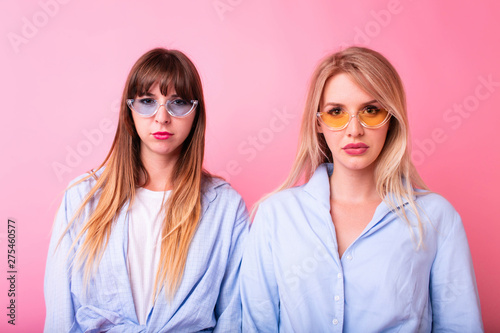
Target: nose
{"points": [[354, 128], [162, 116]]}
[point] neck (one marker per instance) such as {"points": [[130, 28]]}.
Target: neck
{"points": [[160, 170], [353, 186]]}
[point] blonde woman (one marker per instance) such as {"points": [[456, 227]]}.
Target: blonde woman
{"points": [[150, 242], [362, 246]]}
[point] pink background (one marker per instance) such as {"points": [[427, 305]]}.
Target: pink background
{"points": [[64, 64]]}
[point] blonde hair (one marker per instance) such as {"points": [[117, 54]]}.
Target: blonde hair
{"points": [[123, 171], [394, 172]]}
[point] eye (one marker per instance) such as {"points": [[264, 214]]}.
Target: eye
{"points": [[335, 112], [147, 101], [371, 110], [179, 102]]}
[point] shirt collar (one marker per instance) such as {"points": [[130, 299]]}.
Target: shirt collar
{"points": [[319, 187], [319, 184], [209, 193]]}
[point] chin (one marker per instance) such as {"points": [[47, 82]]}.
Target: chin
{"points": [[358, 165]]}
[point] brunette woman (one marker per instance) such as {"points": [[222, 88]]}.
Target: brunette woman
{"points": [[150, 241]]}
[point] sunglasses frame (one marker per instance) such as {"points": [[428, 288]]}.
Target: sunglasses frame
{"points": [[166, 105]]}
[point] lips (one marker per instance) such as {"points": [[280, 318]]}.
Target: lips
{"points": [[162, 135], [355, 148]]}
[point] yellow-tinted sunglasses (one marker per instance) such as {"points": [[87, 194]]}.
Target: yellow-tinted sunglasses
{"points": [[370, 117]]}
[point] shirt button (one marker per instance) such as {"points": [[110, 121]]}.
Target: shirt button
{"points": [[339, 276], [349, 257], [335, 322], [337, 297]]}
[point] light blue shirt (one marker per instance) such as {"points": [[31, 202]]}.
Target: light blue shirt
{"points": [[292, 279], [208, 298]]}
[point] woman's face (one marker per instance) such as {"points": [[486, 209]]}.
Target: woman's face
{"points": [[355, 147], [162, 135]]}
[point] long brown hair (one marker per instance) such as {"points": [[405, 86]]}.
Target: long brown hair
{"points": [[123, 171], [394, 172]]}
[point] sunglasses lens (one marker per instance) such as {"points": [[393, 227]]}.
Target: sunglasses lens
{"points": [[147, 107], [335, 120], [144, 106], [180, 107], [373, 117], [370, 117]]}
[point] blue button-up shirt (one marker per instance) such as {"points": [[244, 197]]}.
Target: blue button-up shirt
{"points": [[292, 279], [208, 298]]}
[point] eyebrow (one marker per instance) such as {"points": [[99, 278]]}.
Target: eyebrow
{"points": [[148, 94], [342, 105]]}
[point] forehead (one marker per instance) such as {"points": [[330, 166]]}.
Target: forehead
{"points": [[341, 89], [156, 90]]}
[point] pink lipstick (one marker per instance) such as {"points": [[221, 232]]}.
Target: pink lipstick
{"points": [[355, 148], [162, 135]]}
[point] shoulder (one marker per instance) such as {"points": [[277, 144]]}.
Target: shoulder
{"points": [[215, 188], [284, 209], [435, 204], [221, 200], [288, 198], [223, 210], [74, 196], [439, 212], [80, 186]]}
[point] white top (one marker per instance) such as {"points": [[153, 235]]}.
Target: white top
{"points": [[144, 247]]}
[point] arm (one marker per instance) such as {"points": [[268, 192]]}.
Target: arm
{"points": [[228, 306], [259, 289], [453, 290], [60, 313]]}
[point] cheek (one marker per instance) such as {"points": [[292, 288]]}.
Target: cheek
{"points": [[381, 139], [332, 139], [189, 124], [141, 125]]}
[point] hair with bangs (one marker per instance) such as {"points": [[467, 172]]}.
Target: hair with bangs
{"points": [[394, 172], [123, 171]]}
